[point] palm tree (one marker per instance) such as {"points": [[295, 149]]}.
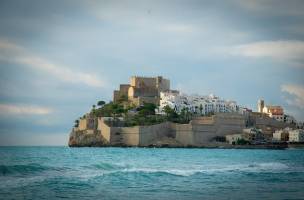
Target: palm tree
{"points": [[168, 110]]}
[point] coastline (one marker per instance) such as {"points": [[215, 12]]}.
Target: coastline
{"points": [[223, 146]]}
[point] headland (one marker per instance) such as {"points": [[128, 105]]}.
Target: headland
{"points": [[147, 113]]}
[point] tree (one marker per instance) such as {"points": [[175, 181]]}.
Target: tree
{"points": [[242, 141], [171, 114], [167, 109], [201, 109], [188, 114], [93, 106], [101, 103], [146, 109], [196, 108], [76, 123]]}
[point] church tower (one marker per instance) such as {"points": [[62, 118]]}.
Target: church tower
{"points": [[260, 105]]}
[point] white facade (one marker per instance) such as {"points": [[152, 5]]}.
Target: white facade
{"points": [[290, 119], [275, 112], [233, 138], [252, 130], [196, 103], [300, 125], [276, 136], [296, 135], [281, 135]]}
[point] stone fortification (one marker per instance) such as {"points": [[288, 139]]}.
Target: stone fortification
{"points": [[266, 123], [203, 130], [142, 89], [199, 132]]}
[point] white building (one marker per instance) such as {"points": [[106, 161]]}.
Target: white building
{"points": [[296, 135], [300, 125], [281, 135], [233, 138], [253, 135], [290, 119], [275, 112], [196, 103]]}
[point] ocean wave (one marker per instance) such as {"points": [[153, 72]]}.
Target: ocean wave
{"points": [[175, 172], [106, 166], [271, 167], [276, 166], [24, 169], [253, 168]]}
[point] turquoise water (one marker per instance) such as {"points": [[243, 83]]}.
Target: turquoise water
{"points": [[148, 173]]}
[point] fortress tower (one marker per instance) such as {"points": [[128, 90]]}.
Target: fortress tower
{"points": [[142, 89]]}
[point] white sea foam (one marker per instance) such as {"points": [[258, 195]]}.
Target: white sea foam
{"points": [[178, 172], [254, 167], [271, 167]]}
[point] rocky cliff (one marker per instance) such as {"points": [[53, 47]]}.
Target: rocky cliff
{"points": [[86, 138]]}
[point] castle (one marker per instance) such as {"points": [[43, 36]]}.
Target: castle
{"points": [[201, 131], [142, 89]]}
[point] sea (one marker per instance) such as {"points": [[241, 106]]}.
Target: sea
{"points": [[150, 173]]}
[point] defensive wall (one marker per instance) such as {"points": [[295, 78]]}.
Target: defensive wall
{"points": [[199, 132], [142, 89]]}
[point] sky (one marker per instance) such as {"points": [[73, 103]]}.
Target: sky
{"points": [[59, 57]]}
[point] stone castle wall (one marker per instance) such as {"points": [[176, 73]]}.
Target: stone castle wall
{"points": [[149, 134], [104, 129], [183, 133], [141, 100], [87, 124], [199, 132], [150, 82], [264, 123], [123, 91], [135, 136], [82, 124], [142, 89], [128, 136], [139, 82], [145, 92]]}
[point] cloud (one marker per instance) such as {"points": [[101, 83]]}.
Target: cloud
{"points": [[282, 50], [14, 53], [178, 28], [297, 91], [23, 110]]}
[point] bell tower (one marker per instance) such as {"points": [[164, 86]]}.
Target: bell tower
{"points": [[260, 105]]}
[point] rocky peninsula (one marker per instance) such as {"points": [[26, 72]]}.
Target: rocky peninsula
{"points": [[135, 118]]}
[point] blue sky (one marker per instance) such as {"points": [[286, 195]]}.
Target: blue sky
{"points": [[57, 58]]}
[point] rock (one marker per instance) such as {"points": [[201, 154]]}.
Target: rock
{"points": [[87, 138]]}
